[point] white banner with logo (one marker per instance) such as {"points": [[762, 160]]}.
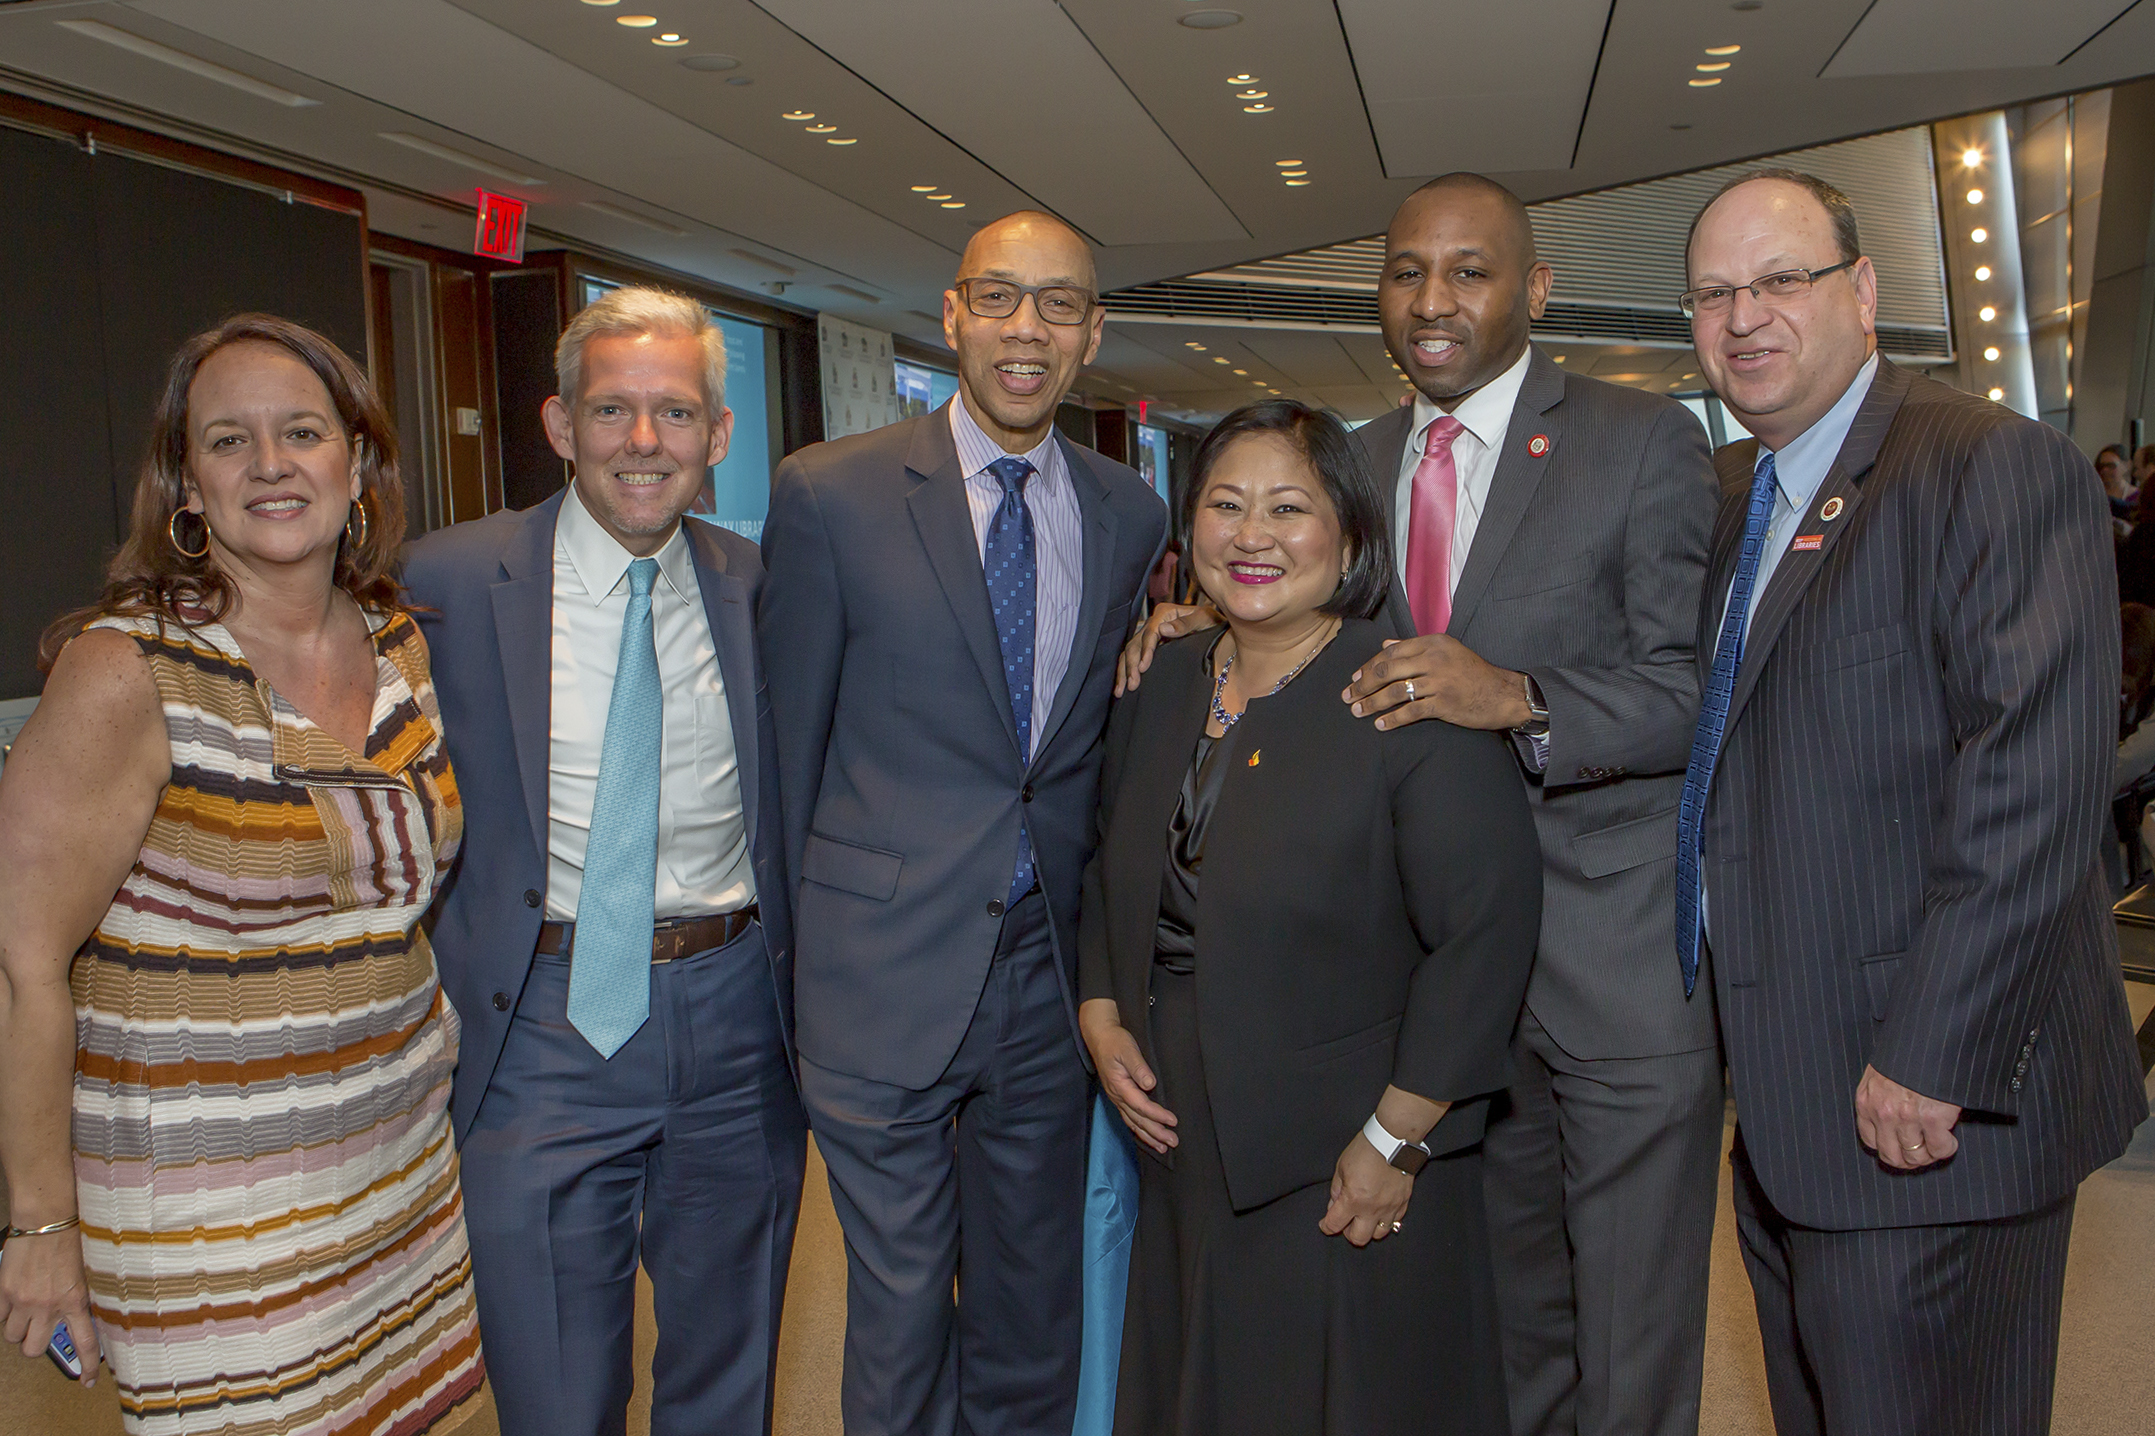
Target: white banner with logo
{"points": [[860, 390]]}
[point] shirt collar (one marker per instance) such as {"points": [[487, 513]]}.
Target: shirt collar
{"points": [[1486, 412], [976, 450], [602, 564], [1801, 465]]}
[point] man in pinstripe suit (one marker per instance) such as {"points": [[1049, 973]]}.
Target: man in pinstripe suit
{"points": [[1908, 649]]}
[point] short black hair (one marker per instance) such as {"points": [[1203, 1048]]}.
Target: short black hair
{"points": [[1839, 209], [1364, 517]]}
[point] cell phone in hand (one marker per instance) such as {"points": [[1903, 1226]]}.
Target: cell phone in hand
{"points": [[61, 1352]]}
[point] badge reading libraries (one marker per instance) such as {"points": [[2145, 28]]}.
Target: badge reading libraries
{"points": [[1538, 445], [1830, 509], [1805, 543]]}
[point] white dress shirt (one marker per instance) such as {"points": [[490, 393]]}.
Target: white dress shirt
{"points": [[703, 862], [1058, 546], [1486, 413]]}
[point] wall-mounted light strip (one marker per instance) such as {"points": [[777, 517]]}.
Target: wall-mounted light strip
{"points": [[180, 60], [458, 157], [615, 211]]}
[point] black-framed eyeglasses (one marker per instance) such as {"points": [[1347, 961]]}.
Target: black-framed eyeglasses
{"points": [[1766, 289], [1000, 298]]}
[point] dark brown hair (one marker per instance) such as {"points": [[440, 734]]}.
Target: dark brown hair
{"points": [[1364, 520], [1838, 209], [149, 576]]}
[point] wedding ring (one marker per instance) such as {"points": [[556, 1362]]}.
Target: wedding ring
{"points": [[1395, 1226], [1410, 690], [1916, 1148]]}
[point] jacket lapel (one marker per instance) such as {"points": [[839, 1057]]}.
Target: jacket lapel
{"points": [[1099, 528], [1843, 483], [945, 526], [524, 632], [1384, 444], [1512, 488], [1733, 465], [725, 608]]}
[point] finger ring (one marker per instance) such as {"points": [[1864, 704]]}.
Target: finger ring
{"points": [[1916, 1148], [1395, 1226], [1410, 690]]}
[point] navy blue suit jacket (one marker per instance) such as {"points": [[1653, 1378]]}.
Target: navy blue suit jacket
{"points": [[904, 785], [484, 593]]}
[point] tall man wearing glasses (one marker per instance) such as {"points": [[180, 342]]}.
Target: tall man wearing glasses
{"points": [[945, 601], [1890, 842]]}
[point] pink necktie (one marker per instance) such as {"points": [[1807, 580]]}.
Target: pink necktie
{"points": [[1429, 529]]}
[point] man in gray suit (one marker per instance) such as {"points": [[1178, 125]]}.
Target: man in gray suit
{"points": [[1891, 842], [1552, 539], [946, 598]]}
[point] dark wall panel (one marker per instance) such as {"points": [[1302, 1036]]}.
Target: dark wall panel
{"points": [[111, 263], [527, 321], [57, 518]]}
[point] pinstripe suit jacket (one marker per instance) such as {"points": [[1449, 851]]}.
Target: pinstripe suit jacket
{"points": [[1901, 841], [1585, 572]]}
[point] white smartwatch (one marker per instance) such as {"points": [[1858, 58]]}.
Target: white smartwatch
{"points": [[1408, 1157]]}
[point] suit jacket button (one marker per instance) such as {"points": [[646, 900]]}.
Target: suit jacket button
{"points": [[2016, 1084], [995, 908], [531, 897], [1027, 795], [501, 1002]]}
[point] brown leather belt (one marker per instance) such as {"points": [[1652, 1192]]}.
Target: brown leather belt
{"points": [[675, 937]]}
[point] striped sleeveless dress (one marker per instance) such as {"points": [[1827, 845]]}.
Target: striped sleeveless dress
{"points": [[270, 1214]]}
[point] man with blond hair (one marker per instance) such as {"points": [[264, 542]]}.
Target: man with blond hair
{"points": [[616, 937]]}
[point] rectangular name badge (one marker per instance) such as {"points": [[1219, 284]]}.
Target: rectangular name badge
{"points": [[1805, 543]]}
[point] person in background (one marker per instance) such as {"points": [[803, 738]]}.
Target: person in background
{"points": [[1303, 1021], [1550, 540], [220, 829], [1891, 842], [2135, 554], [2111, 467], [2143, 474], [616, 936], [947, 596]]}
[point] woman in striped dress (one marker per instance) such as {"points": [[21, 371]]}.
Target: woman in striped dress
{"points": [[217, 835]]}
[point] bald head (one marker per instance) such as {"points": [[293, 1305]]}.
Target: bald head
{"points": [[1462, 187], [1048, 241]]}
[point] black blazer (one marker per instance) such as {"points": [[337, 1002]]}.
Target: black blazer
{"points": [[1902, 842], [1367, 915]]}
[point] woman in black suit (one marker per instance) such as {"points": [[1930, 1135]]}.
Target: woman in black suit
{"points": [[1304, 945]]}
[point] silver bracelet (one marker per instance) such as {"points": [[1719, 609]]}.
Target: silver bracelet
{"points": [[44, 1231]]}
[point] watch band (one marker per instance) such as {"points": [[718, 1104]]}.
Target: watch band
{"points": [[1537, 707], [1408, 1157]]}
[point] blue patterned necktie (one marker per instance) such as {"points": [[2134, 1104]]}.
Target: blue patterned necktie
{"points": [[1010, 569], [610, 963], [1713, 718]]}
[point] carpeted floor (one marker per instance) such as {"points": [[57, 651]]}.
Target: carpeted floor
{"points": [[2106, 1380]]}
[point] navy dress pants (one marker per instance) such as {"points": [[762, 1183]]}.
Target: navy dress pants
{"points": [[684, 1152]]}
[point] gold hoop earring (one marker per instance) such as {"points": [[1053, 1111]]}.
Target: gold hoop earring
{"points": [[172, 531], [359, 541]]}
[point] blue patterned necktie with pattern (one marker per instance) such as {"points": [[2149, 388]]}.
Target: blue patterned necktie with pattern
{"points": [[610, 960], [1010, 571], [1713, 718]]}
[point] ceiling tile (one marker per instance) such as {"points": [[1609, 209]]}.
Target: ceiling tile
{"points": [[1907, 37]]}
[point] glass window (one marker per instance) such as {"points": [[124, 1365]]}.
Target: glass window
{"points": [[921, 390], [737, 494]]}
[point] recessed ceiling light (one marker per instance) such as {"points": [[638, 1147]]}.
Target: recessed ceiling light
{"points": [[1997, 395], [1703, 84], [1558, 357], [1991, 354], [1209, 19], [1296, 184], [1975, 196], [798, 115], [1986, 314], [1722, 49], [602, 2], [1219, 359], [1287, 164], [1294, 174], [1982, 272], [1979, 235], [1972, 157], [1241, 79], [953, 204], [1242, 373], [1692, 375], [1709, 69], [1252, 94], [1257, 109], [823, 129], [636, 22], [709, 64], [1191, 344], [939, 198], [669, 39], [841, 142], [924, 189]]}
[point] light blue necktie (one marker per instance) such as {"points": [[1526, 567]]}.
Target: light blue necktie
{"points": [[1713, 718], [610, 965], [1011, 570]]}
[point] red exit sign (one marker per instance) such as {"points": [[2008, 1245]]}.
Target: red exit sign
{"points": [[500, 234]]}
